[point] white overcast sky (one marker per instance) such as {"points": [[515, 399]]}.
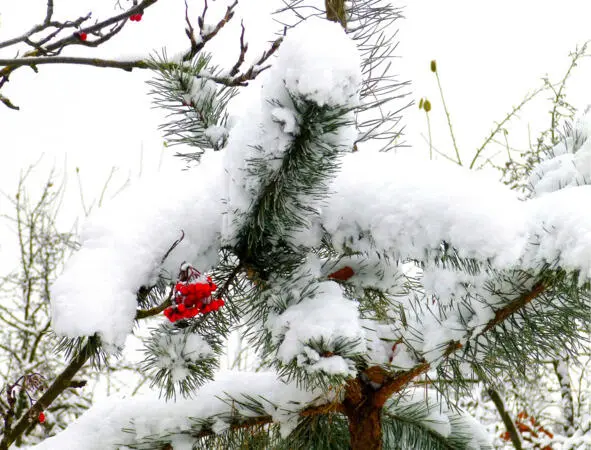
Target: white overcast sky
{"points": [[489, 53]]}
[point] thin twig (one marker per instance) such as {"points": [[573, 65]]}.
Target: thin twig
{"points": [[197, 46], [502, 123], [243, 50], [61, 383], [449, 123]]}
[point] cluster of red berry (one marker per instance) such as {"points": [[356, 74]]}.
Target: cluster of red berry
{"points": [[136, 17], [192, 297]]}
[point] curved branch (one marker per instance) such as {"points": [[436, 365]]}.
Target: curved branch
{"points": [[268, 420], [395, 383], [61, 383], [506, 418], [23, 37]]}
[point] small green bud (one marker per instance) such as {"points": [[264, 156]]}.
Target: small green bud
{"points": [[427, 105], [421, 103], [433, 66]]}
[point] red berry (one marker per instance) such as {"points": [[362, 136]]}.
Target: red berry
{"points": [[41, 417], [217, 304], [82, 36], [191, 301], [192, 312], [182, 308], [182, 289]]}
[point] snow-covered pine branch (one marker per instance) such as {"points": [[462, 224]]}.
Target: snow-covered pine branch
{"points": [[352, 274], [123, 245], [236, 401]]}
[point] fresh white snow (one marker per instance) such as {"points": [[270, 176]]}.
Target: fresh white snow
{"points": [[124, 242], [117, 422]]}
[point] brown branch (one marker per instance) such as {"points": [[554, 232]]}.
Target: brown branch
{"points": [[196, 46], [398, 382], [334, 407], [92, 29], [8, 103], [61, 383], [254, 70], [50, 54], [95, 62], [99, 26], [190, 31], [145, 313], [59, 27], [268, 420], [104, 38], [55, 48], [243, 50], [46, 23], [512, 307], [395, 383], [506, 418], [11, 64], [221, 292], [336, 11]]}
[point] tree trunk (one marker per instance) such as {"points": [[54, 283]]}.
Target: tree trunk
{"points": [[336, 11], [365, 418]]}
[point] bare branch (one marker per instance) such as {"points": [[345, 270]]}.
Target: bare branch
{"points": [[49, 12], [49, 47], [97, 28], [204, 35], [61, 383], [253, 71], [7, 102], [243, 50], [96, 62]]}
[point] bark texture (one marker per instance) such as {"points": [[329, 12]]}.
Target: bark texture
{"points": [[364, 416]]}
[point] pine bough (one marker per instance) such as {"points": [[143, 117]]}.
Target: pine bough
{"points": [[353, 274]]}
